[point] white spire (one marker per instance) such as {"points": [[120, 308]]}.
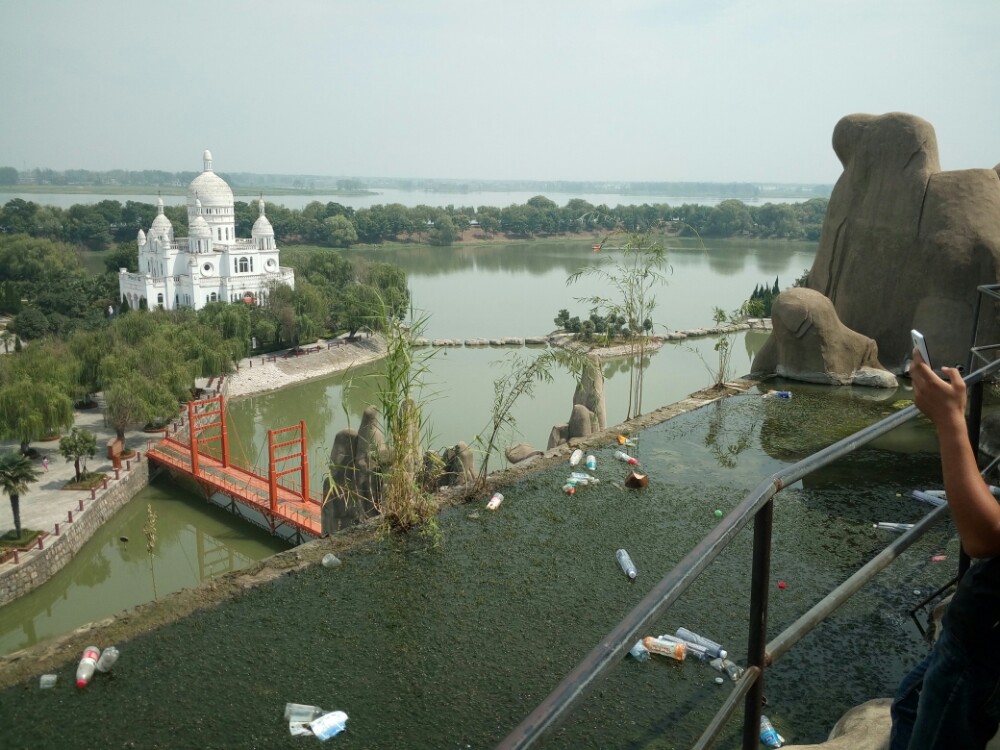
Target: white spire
{"points": [[207, 158]]}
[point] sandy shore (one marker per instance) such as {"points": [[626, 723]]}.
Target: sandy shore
{"points": [[261, 374]]}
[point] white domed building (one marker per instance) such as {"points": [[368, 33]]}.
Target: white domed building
{"points": [[211, 263]]}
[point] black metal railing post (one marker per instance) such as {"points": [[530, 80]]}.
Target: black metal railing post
{"points": [[763, 526]]}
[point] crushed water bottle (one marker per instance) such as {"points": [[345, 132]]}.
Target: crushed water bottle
{"points": [[735, 671], [623, 456], [710, 646], [108, 658], [627, 566], [302, 712], [639, 652], [495, 501], [328, 725], [768, 734]]}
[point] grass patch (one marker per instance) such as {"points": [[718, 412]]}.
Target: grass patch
{"points": [[11, 541], [91, 480]]}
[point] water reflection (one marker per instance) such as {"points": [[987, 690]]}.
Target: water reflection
{"points": [[111, 572]]}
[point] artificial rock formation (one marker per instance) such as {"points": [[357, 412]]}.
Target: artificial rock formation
{"points": [[904, 245], [809, 343], [589, 414]]}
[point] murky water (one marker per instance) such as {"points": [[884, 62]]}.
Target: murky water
{"points": [[111, 572], [451, 647]]}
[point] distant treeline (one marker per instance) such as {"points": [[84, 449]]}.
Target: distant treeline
{"points": [[100, 225], [174, 181]]}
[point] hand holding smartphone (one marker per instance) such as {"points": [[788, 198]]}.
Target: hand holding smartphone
{"points": [[921, 346]]}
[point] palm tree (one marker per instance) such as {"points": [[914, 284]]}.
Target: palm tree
{"points": [[16, 473]]}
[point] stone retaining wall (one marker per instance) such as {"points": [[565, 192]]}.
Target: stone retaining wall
{"points": [[36, 566]]}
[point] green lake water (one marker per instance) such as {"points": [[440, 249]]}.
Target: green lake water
{"points": [[451, 647]]}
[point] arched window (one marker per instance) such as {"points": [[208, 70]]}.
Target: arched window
{"points": [[159, 299], [213, 297], [244, 265], [227, 234], [220, 232]]}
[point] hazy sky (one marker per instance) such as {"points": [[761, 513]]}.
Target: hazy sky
{"points": [[665, 90]]}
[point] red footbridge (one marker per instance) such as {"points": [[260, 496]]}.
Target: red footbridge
{"points": [[278, 500]]}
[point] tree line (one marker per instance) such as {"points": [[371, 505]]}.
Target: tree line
{"points": [[101, 225]]}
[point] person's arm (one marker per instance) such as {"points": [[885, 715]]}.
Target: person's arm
{"points": [[972, 505]]}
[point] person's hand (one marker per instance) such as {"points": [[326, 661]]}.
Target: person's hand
{"points": [[940, 399]]}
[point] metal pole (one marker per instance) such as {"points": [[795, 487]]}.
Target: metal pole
{"points": [[756, 645]]}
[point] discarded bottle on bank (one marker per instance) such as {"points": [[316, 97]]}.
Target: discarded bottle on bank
{"points": [[675, 650], [87, 665], [590, 462], [734, 670], [768, 734], [495, 501], [639, 652], [108, 658], [623, 456], [693, 649], [628, 567], [710, 646], [778, 394], [890, 526], [576, 457]]}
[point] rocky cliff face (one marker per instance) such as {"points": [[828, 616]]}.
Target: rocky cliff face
{"points": [[904, 245]]}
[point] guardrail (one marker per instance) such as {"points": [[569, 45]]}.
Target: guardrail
{"points": [[758, 505]]}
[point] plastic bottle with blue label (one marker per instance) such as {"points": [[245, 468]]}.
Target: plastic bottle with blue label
{"points": [[768, 734], [710, 646], [590, 462]]}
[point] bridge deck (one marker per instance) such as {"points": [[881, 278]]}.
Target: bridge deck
{"points": [[242, 486]]}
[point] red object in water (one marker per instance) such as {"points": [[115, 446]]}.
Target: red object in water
{"points": [[781, 584]]}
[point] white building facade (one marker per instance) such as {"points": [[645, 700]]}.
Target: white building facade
{"points": [[210, 264]]}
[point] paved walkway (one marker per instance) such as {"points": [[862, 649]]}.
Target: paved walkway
{"points": [[46, 503]]}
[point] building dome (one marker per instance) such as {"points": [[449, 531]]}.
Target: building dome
{"points": [[212, 190], [262, 227], [161, 226], [198, 228]]}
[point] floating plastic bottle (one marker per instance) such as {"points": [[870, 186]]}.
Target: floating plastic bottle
{"points": [[590, 462], [931, 497], [710, 646], [675, 650], [582, 478], [768, 734], [623, 456], [301, 712], [628, 567], [576, 457], [328, 725], [639, 652], [495, 501], [47, 681], [87, 665], [734, 670], [693, 649], [108, 658], [778, 394], [890, 526], [569, 489]]}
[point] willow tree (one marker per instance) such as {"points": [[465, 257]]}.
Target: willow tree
{"points": [[31, 410], [134, 399]]}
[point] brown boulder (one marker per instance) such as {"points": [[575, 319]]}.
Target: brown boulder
{"points": [[904, 245], [809, 343]]}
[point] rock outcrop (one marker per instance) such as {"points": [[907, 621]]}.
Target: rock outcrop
{"points": [[904, 245], [809, 343]]}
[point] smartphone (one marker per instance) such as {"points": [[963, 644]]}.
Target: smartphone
{"points": [[921, 346]]}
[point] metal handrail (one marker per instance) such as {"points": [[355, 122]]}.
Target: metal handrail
{"points": [[757, 505]]}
